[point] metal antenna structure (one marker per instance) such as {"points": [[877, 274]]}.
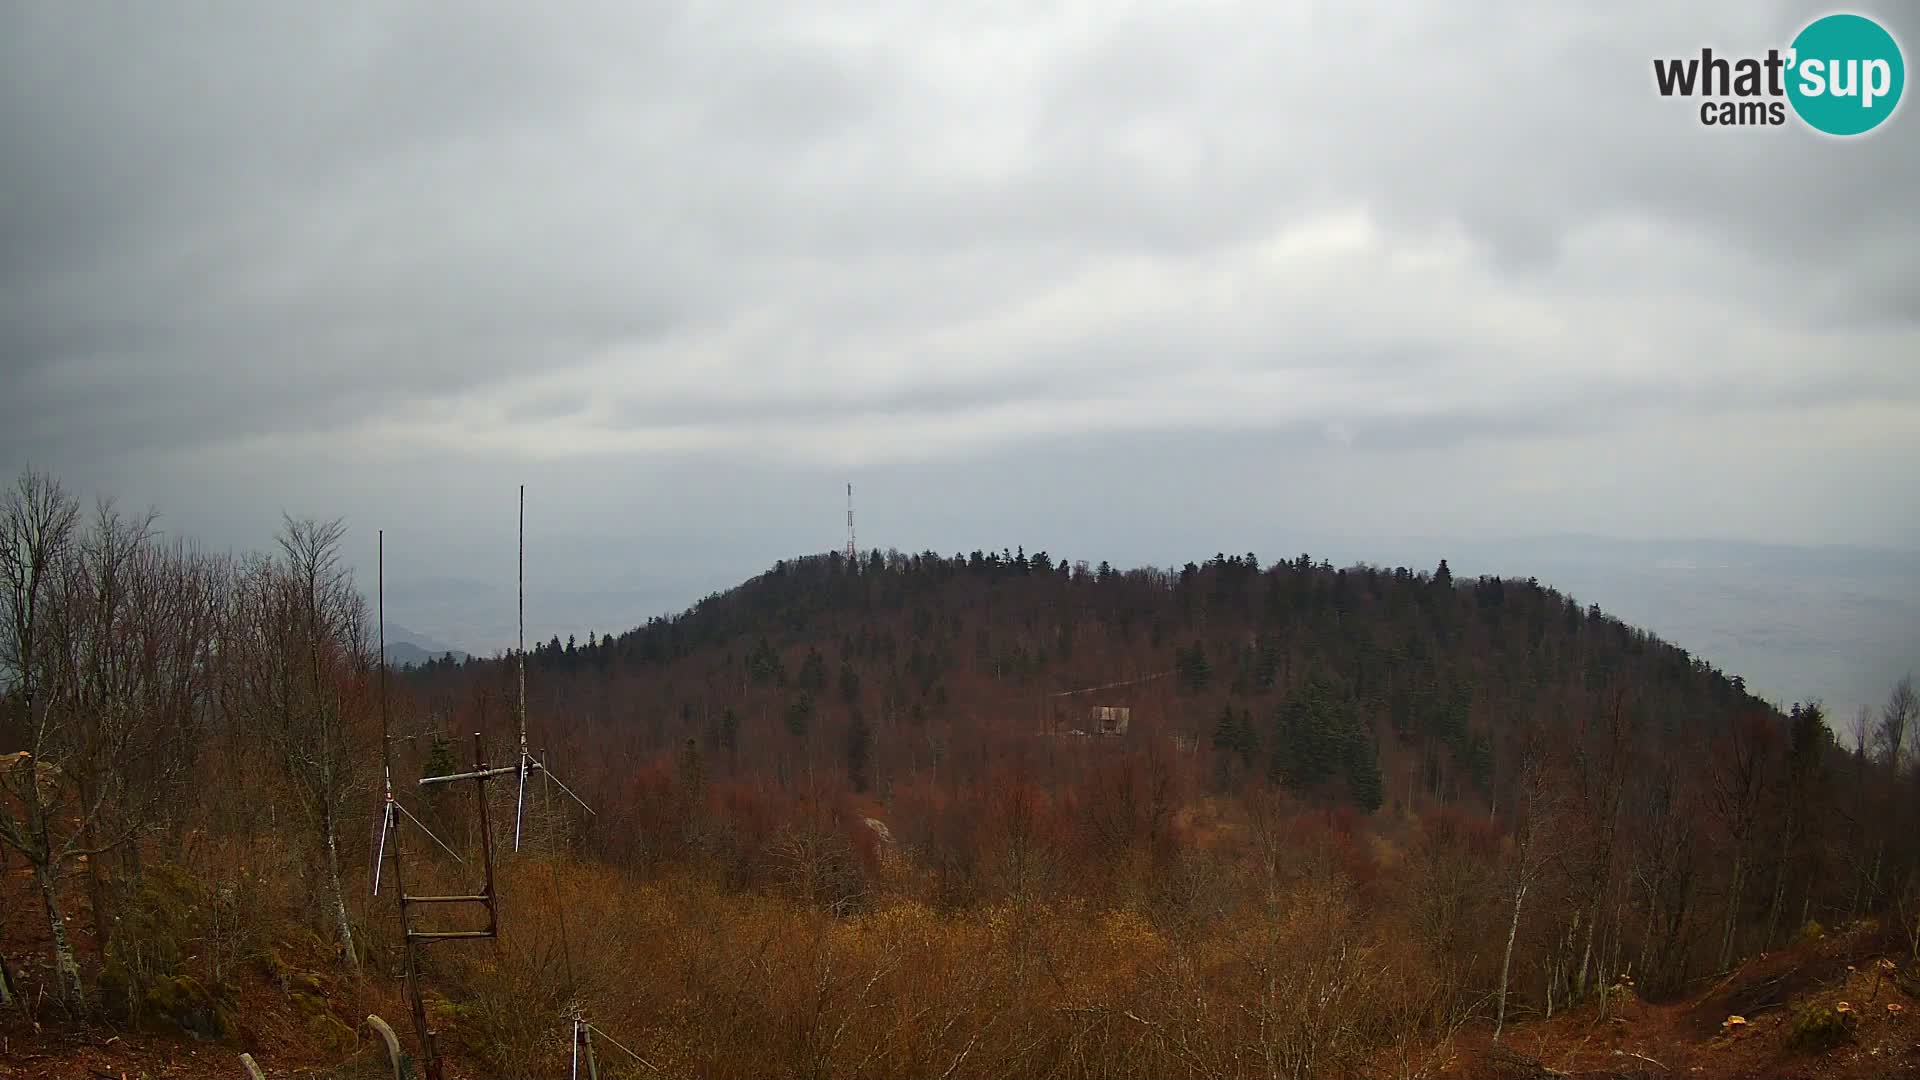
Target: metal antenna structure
{"points": [[391, 848], [487, 898], [583, 1033], [852, 551], [391, 810], [528, 763]]}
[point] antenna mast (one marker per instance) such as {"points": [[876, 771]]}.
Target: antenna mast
{"points": [[381, 579], [852, 551], [386, 734], [520, 799], [390, 814], [411, 939], [390, 809], [528, 763]]}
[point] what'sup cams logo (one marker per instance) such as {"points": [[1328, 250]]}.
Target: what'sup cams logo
{"points": [[1842, 75]]}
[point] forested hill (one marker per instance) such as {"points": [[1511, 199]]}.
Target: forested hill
{"points": [[937, 716], [1379, 686]]}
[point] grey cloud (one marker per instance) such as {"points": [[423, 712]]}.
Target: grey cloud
{"points": [[675, 244]]}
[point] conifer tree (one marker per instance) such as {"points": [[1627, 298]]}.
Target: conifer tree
{"points": [[1364, 782], [763, 665], [1306, 748], [800, 713], [859, 751], [813, 672], [1194, 669], [1233, 734], [849, 682], [1226, 736]]}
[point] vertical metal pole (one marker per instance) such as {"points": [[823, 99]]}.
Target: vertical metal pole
{"points": [[386, 737], [386, 823], [519, 804], [523, 623], [486, 831], [519, 800], [429, 1057], [387, 751]]}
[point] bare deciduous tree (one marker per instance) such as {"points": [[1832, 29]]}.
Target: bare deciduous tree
{"points": [[1533, 828], [37, 523], [1896, 721], [1736, 790], [106, 645], [298, 674]]}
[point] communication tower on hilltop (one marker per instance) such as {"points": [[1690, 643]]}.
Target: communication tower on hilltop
{"points": [[852, 551]]}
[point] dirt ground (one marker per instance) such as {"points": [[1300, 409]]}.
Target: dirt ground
{"points": [[1692, 1037]]}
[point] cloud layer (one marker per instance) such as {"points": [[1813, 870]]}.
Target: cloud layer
{"points": [[1023, 270]]}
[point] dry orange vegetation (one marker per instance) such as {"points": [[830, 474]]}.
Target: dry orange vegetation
{"points": [[1299, 974]]}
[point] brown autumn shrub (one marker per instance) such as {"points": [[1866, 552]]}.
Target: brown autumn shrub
{"points": [[509, 1013]]}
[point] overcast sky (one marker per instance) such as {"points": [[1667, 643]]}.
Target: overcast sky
{"points": [[1129, 281]]}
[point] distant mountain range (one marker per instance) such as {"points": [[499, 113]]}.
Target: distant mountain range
{"points": [[410, 648]]}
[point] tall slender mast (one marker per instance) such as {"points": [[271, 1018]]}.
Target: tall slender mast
{"points": [[523, 622], [386, 735], [390, 808], [520, 797], [852, 551], [527, 764], [381, 578]]}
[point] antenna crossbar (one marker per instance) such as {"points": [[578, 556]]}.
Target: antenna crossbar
{"points": [[476, 774]]}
